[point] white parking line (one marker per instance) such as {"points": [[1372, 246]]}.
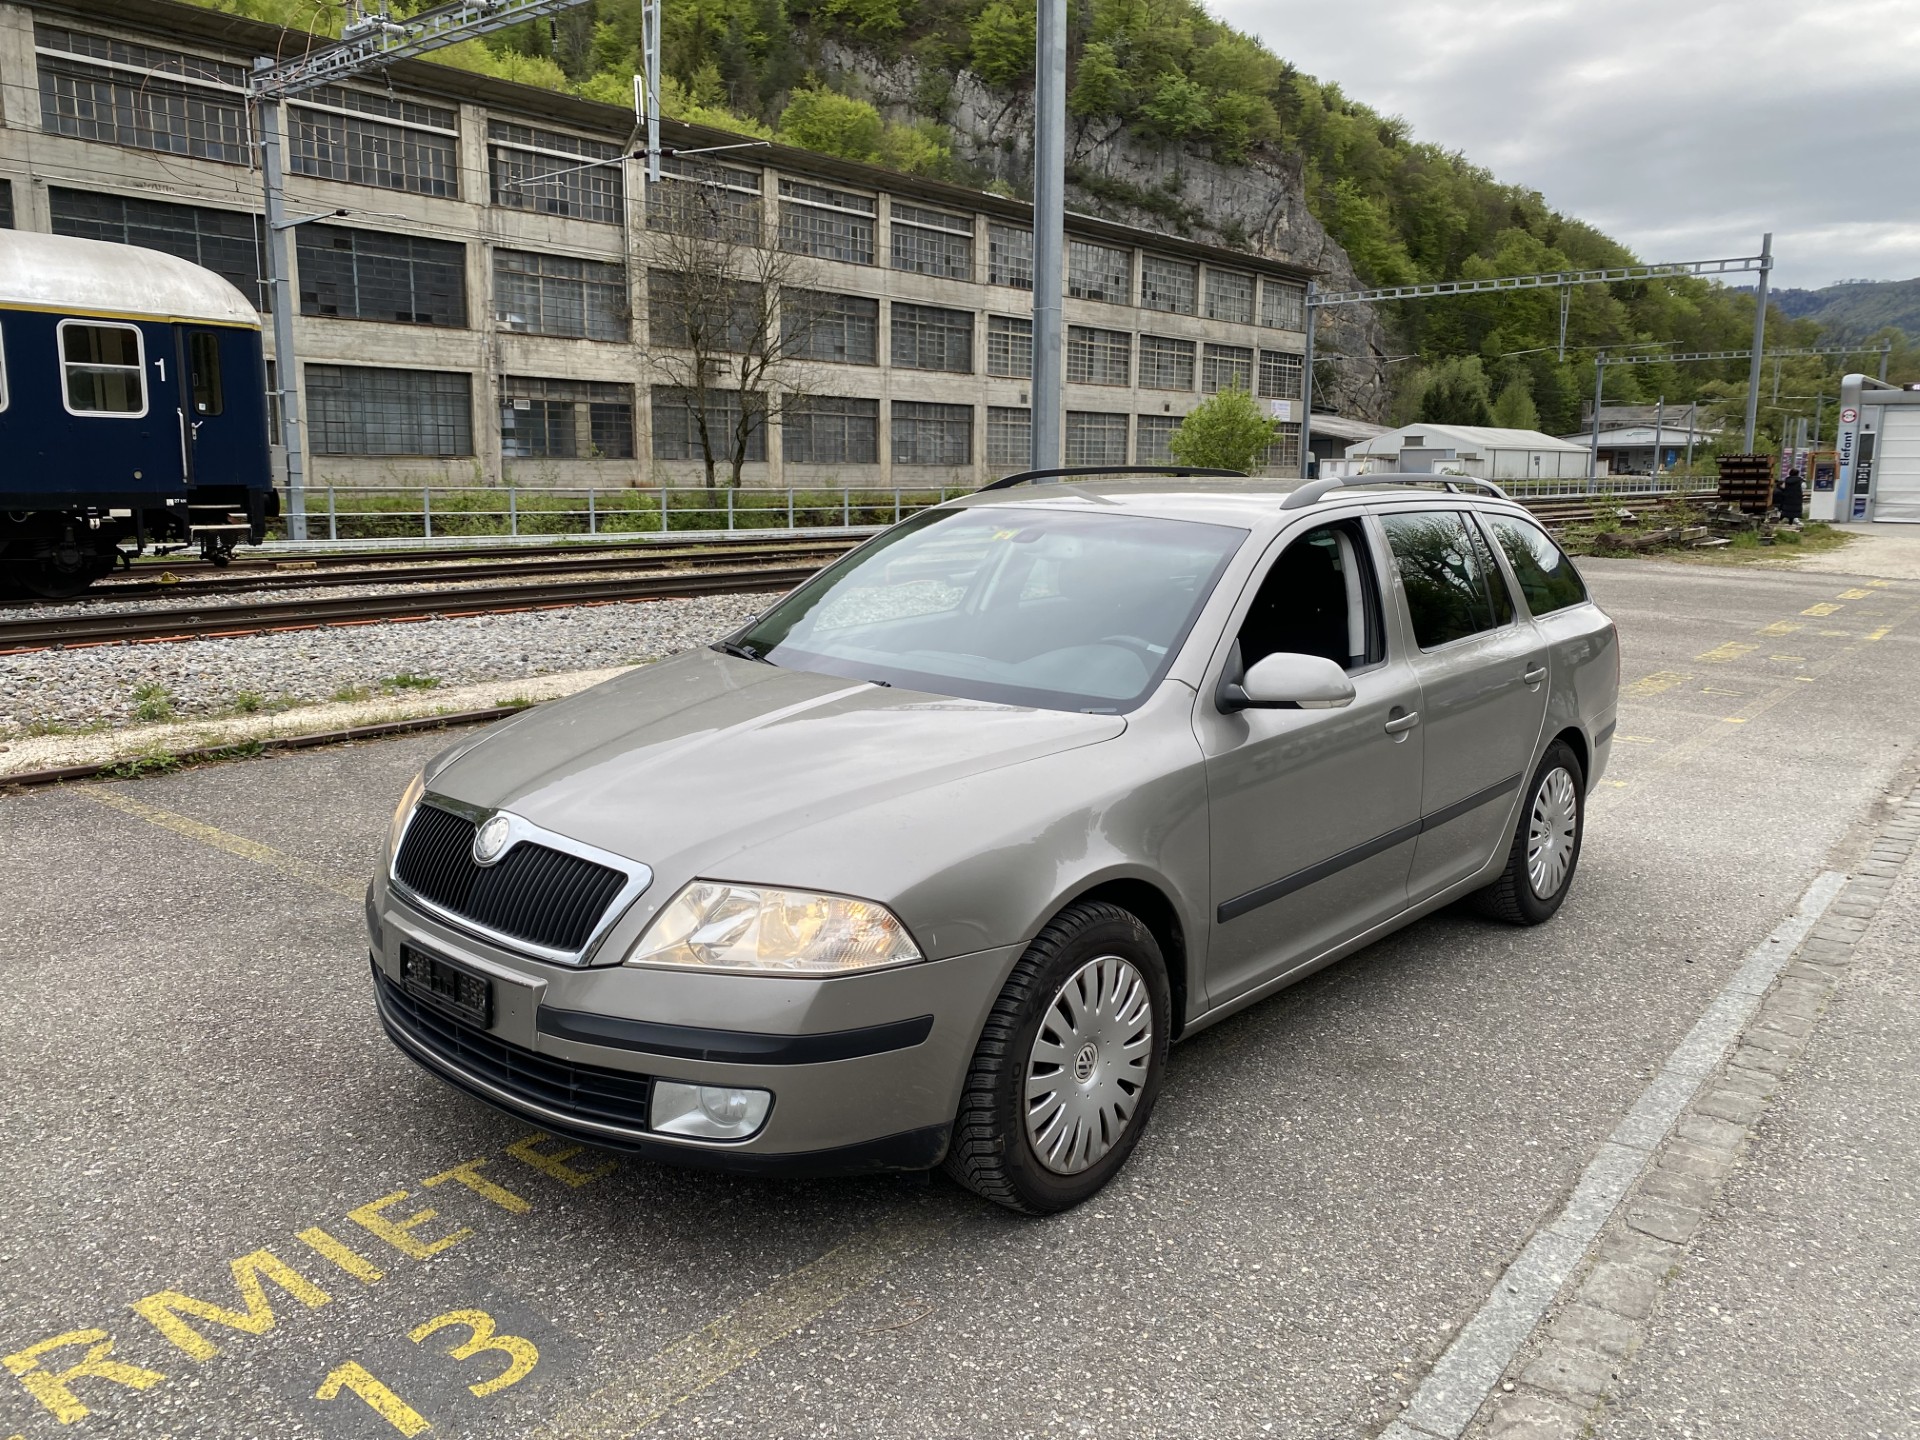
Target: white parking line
{"points": [[1463, 1377]]}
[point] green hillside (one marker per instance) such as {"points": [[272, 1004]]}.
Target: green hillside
{"points": [[1859, 309], [1173, 76]]}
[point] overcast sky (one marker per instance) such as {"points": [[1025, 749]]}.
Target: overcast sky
{"points": [[1683, 128]]}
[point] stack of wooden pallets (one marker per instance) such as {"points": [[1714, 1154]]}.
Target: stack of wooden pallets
{"points": [[1746, 481]]}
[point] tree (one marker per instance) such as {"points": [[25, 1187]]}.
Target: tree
{"points": [[1456, 394], [1226, 432], [833, 124], [731, 316], [1003, 43], [1515, 410]]}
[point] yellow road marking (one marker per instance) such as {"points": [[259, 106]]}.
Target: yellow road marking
{"points": [[1786, 657], [1879, 584], [1780, 627], [708, 1355], [219, 839], [1732, 650], [1710, 690], [1635, 740], [1655, 683], [1733, 720], [1855, 594], [1877, 634], [1825, 607], [1836, 634]]}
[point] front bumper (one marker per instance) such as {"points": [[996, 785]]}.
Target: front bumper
{"points": [[865, 1070]]}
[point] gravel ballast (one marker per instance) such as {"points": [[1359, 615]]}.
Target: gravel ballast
{"points": [[96, 687]]}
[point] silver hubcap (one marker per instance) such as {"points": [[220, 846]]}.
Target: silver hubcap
{"points": [[1089, 1064], [1556, 807]]}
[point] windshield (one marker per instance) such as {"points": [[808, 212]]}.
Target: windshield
{"points": [[1063, 610]]}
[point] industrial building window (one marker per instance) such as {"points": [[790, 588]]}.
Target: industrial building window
{"points": [[1010, 256], [146, 99], [373, 275], [928, 338], [932, 242], [1151, 435], [1099, 357], [105, 368], [1010, 346], [555, 174], [696, 198], [559, 295], [1165, 364], [565, 419], [929, 434], [1099, 272], [354, 410], [1094, 439], [1284, 453], [1229, 296], [841, 329], [1170, 285], [1009, 435], [1283, 306], [824, 430], [676, 424], [227, 242], [826, 224], [1280, 372], [6, 205], [717, 315], [380, 140], [1226, 367]]}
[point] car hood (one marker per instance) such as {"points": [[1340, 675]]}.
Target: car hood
{"points": [[687, 763]]}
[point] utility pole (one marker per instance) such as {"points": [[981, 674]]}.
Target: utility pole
{"points": [[1759, 338], [1049, 230], [1307, 467], [1593, 452], [1659, 424], [367, 42]]}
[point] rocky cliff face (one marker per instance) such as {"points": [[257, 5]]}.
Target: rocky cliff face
{"points": [[1259, 207]]}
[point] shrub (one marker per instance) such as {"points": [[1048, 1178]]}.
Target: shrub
{"points": [[1226, 432]]}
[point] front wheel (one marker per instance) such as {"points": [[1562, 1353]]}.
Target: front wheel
{"points": [[1068, 1066], [1546, 844]]}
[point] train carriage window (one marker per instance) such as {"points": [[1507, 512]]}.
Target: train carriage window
{"points": [[3, 369], [105, 369], [203, 349]]}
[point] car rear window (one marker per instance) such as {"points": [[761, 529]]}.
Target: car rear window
{"points": [[1022, 604], [1547, 577]]}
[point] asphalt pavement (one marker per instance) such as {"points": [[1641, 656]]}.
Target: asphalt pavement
{"points": [[228, 1196]]}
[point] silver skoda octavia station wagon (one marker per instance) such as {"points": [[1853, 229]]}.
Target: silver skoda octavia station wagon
{"points": [[930, 862]]}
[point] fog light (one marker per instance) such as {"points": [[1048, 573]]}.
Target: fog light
{"points": [[710, 1112]]}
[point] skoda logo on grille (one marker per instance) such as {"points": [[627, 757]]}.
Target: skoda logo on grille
{"points": [[490, 840]]}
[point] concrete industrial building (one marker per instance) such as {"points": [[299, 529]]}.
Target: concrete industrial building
{"points": [[474, 293]]}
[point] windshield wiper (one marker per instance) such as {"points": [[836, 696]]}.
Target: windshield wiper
{"points": [[739, 651]]}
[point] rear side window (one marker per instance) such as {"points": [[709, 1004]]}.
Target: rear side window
{"points": [[105, 369], [1447, 577], [1547, 577], [203, 351]]}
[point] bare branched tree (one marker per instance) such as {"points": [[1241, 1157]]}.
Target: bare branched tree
{"points": [[729, 319]]}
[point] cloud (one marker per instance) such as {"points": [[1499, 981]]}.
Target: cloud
{"points": [[1683, 129]]}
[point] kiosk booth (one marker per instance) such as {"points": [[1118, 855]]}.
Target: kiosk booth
{"points": [[1876, 474]]}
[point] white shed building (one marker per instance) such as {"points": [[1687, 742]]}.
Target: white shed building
{"points": [[1485, 451]]}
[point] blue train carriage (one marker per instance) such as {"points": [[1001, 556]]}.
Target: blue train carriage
{"points": [[133, 411]]}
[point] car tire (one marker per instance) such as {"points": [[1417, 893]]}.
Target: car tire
{"points": [[1545, 851], [1092, 990]]}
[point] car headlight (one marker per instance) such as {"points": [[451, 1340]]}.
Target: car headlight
{"points": [[711, 925], [415, 789]]}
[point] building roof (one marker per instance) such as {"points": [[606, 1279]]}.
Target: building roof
{"points": [[58, 272], [1473, 438], [195, 24], [1628, 415], [1342, 427], [1630, 435]]}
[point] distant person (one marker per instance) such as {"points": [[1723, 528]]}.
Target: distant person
{"points": [[1792, 492]]}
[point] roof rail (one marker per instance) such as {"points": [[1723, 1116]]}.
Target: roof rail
{"points": [[1025, 477], [1327, 484]]}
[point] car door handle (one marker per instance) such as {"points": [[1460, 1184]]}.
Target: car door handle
{"points": [[1402, 722], [1533, 674]]}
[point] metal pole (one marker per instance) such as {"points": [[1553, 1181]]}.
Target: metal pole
{"points": [[1049, 228], [280, 279], [1306, 390], [1693, 425], [1566, 300], [1593, 454], [1659, 424], [1883, 367], [426, 511], [333, 517], [513, 512], [593, 520], [789, 507], [1820, 411], [1759, 338], [650, 59]]}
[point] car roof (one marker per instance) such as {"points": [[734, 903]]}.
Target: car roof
{"points": [[1251, 504]]}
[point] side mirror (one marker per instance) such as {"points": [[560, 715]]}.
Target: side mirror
{"points": [[1312, 682]]}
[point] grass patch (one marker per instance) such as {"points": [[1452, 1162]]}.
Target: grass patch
{"points": [[1744, 540], [152, 701], [406, 680], [349, 694], [153, 762]]}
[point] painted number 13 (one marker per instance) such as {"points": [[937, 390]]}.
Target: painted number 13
{"points": [[483, 1335]]}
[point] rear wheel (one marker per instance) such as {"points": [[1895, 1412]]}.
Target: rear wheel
{"points": [[1546, 844], [1068, 1066]]}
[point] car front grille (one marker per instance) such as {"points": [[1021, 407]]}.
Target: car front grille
{"points": [[583, 1092], [533, 892]]}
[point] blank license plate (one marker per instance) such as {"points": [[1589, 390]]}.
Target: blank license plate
{"points": [[447, 986]]}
